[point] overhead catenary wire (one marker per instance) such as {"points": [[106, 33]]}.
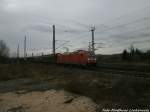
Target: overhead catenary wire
{"points": [[131, 14], [128, 31], [137, 30], [62, 44], [125, 24]]}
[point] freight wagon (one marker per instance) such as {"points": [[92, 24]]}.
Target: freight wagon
{"points": [[80, 57]]}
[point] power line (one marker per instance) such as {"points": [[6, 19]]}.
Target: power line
{"points": [[134, 42], [122, 25], [131, 32], [137, 30], [133, 13], [118, 18], [126, 37], [62, 44]]}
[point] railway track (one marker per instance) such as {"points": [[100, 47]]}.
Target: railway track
{"points": [[114, 70], [126, 71], [121, 71]]}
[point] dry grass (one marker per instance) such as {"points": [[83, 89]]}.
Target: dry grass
{"points": [[106, 89]]}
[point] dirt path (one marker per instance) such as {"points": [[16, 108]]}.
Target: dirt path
{"points": [[48, 101]]}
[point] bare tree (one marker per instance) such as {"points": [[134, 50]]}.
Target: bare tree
{"points": [[4, 50]]}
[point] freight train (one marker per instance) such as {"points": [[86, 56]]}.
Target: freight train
{"points": [[79, 57]]}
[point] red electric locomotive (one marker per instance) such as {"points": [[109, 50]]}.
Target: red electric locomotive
{"points": [[79, 57]]}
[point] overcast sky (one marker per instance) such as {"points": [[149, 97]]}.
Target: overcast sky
{"points": [[119, 23]]}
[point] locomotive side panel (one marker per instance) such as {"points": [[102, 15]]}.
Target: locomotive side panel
{"points": [[77, 58], [83, 58]]}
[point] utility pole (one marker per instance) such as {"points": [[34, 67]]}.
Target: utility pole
{"points": [[54, 49], [90, 47], [93, 48], [32, 54], [54, 40], [18, 51], [25, 54]]}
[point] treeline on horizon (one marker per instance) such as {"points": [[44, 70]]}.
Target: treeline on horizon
{"points": [[131, 55], [4, 52], [135, 54]]}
